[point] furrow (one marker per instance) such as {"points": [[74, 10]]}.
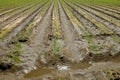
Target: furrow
{"points": [[40, 39], [92, 26], [26, 34], [107, 24], [100, 43], [114, 15], [8, 11], [104, 16], [8, 28], [14, 16], [73, 51], [89, 38], [23, 24], [116, 10], [12, 10], [100, 26], [77, 25], [115, 31], [12, 13]]}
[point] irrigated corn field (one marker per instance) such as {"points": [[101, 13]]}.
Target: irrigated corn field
{"points": [[59, 39]]}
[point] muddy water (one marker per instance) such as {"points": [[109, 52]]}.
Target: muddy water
{"points": [[67, 67], [39, 72], [115, 59], [48, 70]]}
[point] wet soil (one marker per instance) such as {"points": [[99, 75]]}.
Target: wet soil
{"points": [[71, 71], [38, 57]]}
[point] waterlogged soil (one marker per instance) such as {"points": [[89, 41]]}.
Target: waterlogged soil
{"points": [[69, 71], [75, 67], [42, 59]]}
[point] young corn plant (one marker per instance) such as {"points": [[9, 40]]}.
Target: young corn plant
{"points": [[56, 31], [15, 53], [55, 48]]}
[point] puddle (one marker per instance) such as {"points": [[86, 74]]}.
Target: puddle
{"points": [[83, 65], [63, 67], [39, 72], [114, 59], [48, 70]]}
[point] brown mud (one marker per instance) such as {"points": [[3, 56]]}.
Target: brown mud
{"points": [[34, 48]]}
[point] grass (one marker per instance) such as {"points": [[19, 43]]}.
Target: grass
{"points": [[99, 2], [15, 3]]}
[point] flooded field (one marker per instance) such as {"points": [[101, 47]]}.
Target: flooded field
{"points": [[60, 40]]}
